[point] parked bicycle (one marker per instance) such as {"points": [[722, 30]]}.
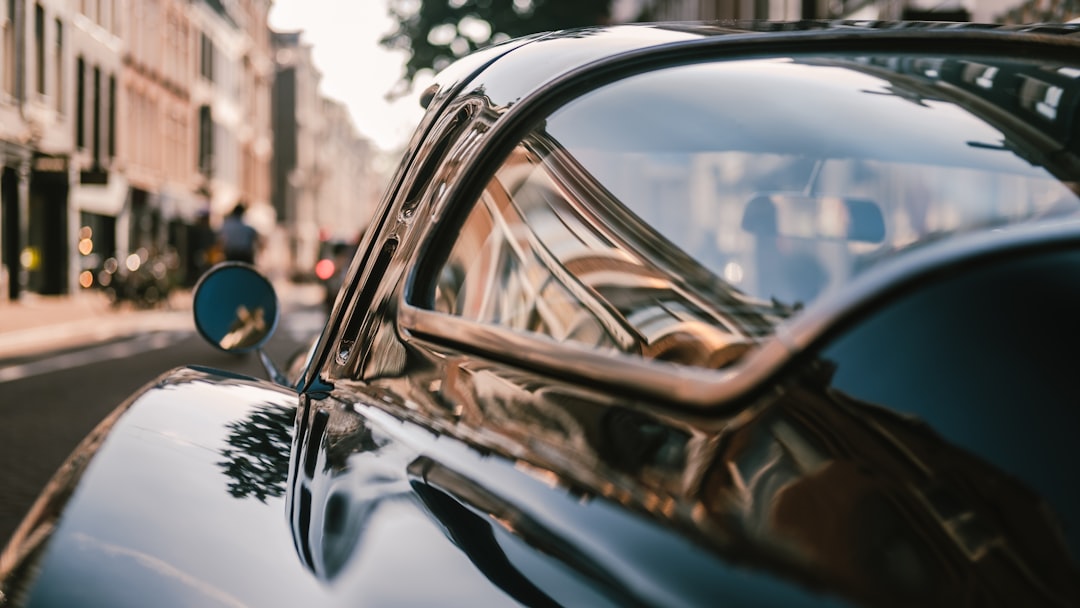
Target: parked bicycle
{"points": [[142, 280]]}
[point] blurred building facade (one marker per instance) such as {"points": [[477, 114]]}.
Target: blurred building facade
{"points": [[60, 66], [256, 136], [351, 187], [1039, 11], [981, 11], [124, 123], [690, 10], [984, 11], [324, 185], [156, 153], [17, 141]]}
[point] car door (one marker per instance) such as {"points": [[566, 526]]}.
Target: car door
{"points": [[928, 433]]}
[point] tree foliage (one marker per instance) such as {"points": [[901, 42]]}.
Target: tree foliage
{"points": [[435, 32]]}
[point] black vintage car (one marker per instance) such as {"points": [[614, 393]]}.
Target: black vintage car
{"points": [[673, 314]]}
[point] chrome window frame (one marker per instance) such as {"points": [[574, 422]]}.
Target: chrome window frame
{"points": [[673, 385]]}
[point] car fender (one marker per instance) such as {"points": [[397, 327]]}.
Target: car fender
{"points": [[177, 495], [178, 498]]}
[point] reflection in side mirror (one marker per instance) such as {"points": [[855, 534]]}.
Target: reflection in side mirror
{"points": [[236, 308]]}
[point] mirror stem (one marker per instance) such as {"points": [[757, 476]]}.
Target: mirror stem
{"points": [[272, 370]]}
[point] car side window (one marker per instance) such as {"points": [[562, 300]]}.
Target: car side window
{"points": [[535, 254], [619, 223], [502, 270]]}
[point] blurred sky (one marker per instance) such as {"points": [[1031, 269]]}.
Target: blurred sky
{"points": [[356, 70]]}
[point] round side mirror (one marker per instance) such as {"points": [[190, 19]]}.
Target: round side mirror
{"points": [[235, 307]]}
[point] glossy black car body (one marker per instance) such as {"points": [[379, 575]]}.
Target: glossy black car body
{"points": [[532, 391]]}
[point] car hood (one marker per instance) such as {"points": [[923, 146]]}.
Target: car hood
{"points": [[175, 499]]}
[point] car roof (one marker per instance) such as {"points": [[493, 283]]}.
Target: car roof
{"points": [[509, 72]]}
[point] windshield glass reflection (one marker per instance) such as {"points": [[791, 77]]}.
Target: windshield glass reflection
{"points": [[932, 146], [714, 203]]}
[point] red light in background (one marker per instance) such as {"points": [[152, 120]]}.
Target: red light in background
{"points": [[324, 269]]}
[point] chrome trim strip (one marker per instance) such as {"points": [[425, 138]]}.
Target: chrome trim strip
{"points": [[669, 382]]}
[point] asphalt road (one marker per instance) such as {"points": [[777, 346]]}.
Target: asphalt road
{"points": [[49, 402]]}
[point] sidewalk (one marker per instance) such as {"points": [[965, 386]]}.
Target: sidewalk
{"points": [[36, 324]]}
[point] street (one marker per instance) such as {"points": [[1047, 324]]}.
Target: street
{"points": [[50, 401]]}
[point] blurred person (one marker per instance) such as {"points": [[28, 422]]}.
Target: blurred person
{"points": [[239, 241]]}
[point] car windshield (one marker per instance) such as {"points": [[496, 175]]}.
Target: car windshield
{"points": [[785, 177]]}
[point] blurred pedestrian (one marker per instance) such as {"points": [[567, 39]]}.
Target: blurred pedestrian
{"points": [[239, 241]]}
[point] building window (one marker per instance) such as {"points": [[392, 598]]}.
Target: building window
{"points": [[112, 117], [39, 47], [96, 125], [58, 60], [206, 141], [80, 103], [7, 58], [206, 57], [169, 46]]}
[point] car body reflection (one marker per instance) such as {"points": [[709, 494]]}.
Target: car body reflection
{"points": [[811, 483]]}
